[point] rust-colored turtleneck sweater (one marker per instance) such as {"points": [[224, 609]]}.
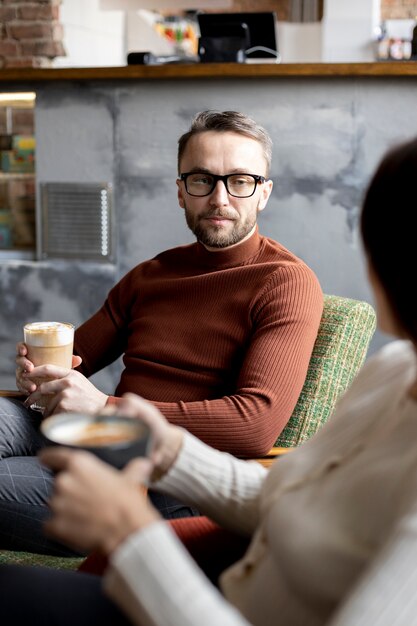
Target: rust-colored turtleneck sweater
{"points": [[219, 341]]}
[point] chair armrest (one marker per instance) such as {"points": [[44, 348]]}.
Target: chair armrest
{"points": [[12, 393], [272, 455]]}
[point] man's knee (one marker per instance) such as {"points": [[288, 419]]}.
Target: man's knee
{"points": [[19, 434], [25, 488]]}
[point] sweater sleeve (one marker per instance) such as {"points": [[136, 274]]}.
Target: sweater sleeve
{"points": [[272, 373], [153, 579], [222, 487], [102, 338]]}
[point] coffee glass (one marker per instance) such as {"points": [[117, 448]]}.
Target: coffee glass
{"points": [[49, 343]]}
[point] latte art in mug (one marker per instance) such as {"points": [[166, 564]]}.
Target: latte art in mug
{"points": [[102, 434]]}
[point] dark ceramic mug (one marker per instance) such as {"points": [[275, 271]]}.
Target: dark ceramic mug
{"points": [[112, 438]]}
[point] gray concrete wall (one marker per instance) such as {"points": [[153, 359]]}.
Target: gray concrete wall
{"points": [[328, 136]]}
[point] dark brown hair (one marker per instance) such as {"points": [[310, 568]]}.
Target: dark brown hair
{"points": [[224, 121], [388, 230]]}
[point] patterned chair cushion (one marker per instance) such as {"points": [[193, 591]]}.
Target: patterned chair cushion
{"points": [[26, 558], [346, 328]]}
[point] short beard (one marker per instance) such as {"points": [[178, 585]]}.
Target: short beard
{"points": [[213, 239]]}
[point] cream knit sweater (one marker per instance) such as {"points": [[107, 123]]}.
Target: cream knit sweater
{"points": [[334, 523]]}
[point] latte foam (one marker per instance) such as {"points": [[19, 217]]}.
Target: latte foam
{"points": [[49, 334]]}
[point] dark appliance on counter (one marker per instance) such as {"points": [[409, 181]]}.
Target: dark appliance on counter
{"points": [[238, 37]]}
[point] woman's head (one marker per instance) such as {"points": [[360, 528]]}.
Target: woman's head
{"points": [[388, 232]]}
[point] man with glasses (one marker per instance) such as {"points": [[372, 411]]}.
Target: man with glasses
{"points": [[217, 334]]}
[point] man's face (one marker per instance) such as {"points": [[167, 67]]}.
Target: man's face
{"points": [[219, 219]]}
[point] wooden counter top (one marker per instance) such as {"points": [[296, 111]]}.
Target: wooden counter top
{"points": [[210, 70]]}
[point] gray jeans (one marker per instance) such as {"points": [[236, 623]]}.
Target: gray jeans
{"points": [[26, 486]]}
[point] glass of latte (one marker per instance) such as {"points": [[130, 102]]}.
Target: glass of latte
{"points": [[49, 343]]}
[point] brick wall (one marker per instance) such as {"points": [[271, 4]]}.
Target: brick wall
{"points": [[398, 9], [30, 33]]}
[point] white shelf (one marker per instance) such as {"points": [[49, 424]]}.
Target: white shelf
{"points": [[6, 175]]}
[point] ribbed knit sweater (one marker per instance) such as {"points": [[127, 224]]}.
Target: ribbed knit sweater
{"points": [[219, 341]]}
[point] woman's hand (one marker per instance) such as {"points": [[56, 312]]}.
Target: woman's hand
{"points": [[94, 506], [166, 438]]}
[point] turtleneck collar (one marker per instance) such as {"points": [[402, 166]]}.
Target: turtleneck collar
{"points": [[228, 257]]}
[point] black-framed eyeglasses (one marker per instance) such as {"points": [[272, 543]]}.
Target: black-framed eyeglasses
{"points": [[237, 185]]}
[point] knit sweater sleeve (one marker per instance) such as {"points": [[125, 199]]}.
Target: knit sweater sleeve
{"points": [[248, 422], [154, 580], [224, 488]]}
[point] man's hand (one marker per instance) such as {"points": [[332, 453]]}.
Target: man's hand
{"points": [[68, 391], [94, 507], [24, 366]]}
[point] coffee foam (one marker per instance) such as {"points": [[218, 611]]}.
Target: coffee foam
{"points": [[68, 432], [72, 433], [45, 334]]}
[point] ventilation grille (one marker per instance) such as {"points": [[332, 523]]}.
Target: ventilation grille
{"points": [[77, 221]]}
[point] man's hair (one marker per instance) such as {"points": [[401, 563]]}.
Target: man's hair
{"points": [[227, 121], [388, 230]]}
